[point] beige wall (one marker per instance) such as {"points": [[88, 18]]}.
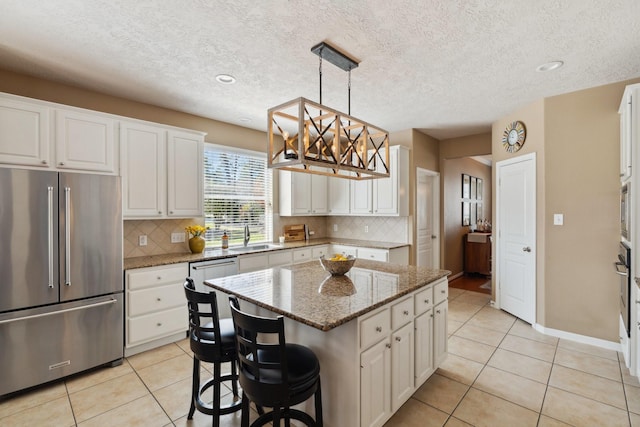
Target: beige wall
{"points": [[575, 138], [582, 182], [454, 232]]}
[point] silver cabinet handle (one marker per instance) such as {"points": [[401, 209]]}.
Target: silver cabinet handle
{"points": [[406, 312], [378, 328], [398, 339], [426, 301], [438, 311], [388, 345], [623, 271], [44, 162], [433, 236], [67, 310], [61, 163], [526, 249], [50, 233], [67, 236]]}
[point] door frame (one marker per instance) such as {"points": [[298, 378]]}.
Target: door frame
{"points": [[435, 213], [498, 251]]}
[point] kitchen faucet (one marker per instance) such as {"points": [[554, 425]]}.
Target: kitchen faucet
{"points": [[247, 235]]}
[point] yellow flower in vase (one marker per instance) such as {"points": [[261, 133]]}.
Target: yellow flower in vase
{"points": [[196, 243]]}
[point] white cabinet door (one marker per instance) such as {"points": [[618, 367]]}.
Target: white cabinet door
{"points": [[373, 254], [184, 174], [423, 347], [24, 133], [402, 366], [339, 195], [318, 191], [440, 333], [143, 170], [85, 142], [361, 201], [385, 190], [252, 262], [375, 385]]}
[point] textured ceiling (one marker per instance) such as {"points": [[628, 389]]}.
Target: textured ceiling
{"points": [[448, 68]]}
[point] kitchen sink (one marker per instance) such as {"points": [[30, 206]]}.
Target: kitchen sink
{"points": [[252, 248]]}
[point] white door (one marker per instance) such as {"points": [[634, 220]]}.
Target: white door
{"points": [[516, 245], [427, 219]]}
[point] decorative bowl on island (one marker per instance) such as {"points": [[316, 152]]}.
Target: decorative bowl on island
{"points": [[338, 264]]}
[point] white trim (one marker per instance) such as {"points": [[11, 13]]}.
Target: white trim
{"points": [[597, 342], [235, 150], [455, 276], [437, 256]]}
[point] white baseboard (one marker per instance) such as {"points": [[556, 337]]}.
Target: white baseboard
{"points": [[455, 276], [609, 345]]}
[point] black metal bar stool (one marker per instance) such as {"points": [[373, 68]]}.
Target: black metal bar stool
{"points": [[275, 375], [212, 340]]}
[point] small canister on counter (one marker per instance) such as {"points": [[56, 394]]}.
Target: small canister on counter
{"points": [[225, 241]]}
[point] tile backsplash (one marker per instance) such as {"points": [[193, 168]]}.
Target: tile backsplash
{"points": [[158, 232]]}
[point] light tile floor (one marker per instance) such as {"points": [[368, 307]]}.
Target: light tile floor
{"points": [[499, 372]]}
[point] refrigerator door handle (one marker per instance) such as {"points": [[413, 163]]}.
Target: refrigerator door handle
{"points": [[51, 313], [67, 236], [50, 233]]}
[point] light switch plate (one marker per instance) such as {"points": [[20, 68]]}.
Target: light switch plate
{"points": [[177, 237], [558, 219], [142, 240]]}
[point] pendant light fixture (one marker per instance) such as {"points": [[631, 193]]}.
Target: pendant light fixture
{"points": [[306, 136]]}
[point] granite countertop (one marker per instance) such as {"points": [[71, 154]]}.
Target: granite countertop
{"points": [[217, 253], [310, 295]]}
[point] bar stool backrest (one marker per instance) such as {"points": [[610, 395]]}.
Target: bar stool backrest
{"points": [[204, 323], [262, 359]]}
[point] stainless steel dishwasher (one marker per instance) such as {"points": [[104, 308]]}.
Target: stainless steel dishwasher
{"points": [[212, 269]]}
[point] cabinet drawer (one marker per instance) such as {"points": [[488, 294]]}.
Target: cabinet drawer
{"points": [[423, 300], [301, 255], [374, 328], [346, 250], [373, 254], [280, 258], [145, 277], [155, 299], [157, 325], [252, 263], [318, 251], [440, 291], [401, 313]]}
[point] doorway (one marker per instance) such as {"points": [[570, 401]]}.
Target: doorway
{"points": [[516, 241], [427, 218]]}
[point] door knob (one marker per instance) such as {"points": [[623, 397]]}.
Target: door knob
{"points": [[526, 249]]}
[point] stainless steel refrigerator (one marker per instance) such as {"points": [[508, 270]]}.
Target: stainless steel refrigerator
{"points": [[61, 279]]}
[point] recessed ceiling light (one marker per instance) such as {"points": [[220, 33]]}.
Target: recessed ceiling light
{"points": [[549, 66], [225, 79], [245, 119]]}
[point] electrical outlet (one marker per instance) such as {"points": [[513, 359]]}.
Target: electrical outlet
{"points": [[142, 240], [335, 227], [366, 228], [177, 237]]}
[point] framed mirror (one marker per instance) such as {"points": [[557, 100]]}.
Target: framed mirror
{"points": [[466, 186]]}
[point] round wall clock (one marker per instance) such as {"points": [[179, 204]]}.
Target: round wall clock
{"points": [[514, 136]]}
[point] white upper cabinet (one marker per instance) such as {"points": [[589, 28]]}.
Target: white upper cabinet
{"points": [[339, 196], [85, 142], [77, 139], [24, 133], [302, 194], [384, 196], [161, 172], [143, 170], [629, 122], [184, 174]]}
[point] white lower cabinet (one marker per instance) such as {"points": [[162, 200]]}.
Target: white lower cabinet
{"points": [[248, 263], [156, 308], [375, 385], [401, 346], [402, 367]]}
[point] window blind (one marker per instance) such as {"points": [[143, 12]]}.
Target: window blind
{"points": [[237, 192]]}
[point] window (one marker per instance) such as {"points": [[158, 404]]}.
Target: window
{"points": [[237, 192]]}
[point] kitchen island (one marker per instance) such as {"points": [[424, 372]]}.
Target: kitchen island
{"points": [[379, 331]]}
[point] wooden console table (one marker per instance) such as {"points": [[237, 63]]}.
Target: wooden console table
{"points": [[477, 253]]}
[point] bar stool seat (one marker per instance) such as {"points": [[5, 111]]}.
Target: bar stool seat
{"points": [[211, 340], [273, 373]]}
